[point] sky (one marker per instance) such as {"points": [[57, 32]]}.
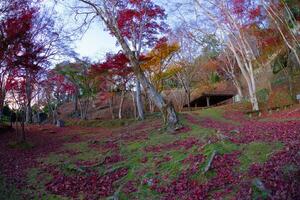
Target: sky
{"points": [[96, 42]]}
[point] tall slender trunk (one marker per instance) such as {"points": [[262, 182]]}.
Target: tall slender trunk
{"points": [[28, 113], [134, 104], [29, 97], [139, 102], [238, 88], [111, 107], [84, 106], [121, 104], [76, 103], [1, 112], [23, 135], [2, 98], [188, 93]]}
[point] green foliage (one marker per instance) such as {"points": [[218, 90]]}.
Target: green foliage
{"points": [[263, 95], [78, 74], [279, 64], [214, 78]]}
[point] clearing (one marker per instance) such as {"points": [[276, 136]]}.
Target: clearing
{"points": [[219, 154]]}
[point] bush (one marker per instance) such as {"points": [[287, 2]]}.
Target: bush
{"points": [[279, 98], [263, 95]]}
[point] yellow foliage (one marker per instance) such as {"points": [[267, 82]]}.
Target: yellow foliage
{"points": [[157, 57], [157, 61]]}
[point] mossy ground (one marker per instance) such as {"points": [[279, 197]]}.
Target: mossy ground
{"points": [[67, 157]]}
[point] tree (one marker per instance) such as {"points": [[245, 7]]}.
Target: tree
{"points": [[233, 19], [115, 71], [15, 22], [229, 70], [55, 90], [284, 21], [136, 25], [85, 85], [156, 65]]}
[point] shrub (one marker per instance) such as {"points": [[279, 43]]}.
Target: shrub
{"points": [[263, 95], [279, 98]]}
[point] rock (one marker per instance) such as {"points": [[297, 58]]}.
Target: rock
{"points": [[235, 132], [60, 123], [94, 142], [260, 186]]}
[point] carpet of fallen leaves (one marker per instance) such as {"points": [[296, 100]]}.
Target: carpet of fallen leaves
{"points": [[277, 178]]}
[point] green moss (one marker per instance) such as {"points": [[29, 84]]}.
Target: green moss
{"points": [[257, 152], [223, 147], [24, 145], [54, 158], [175, 165], [99, 123], [213, 113], [216, 114], [203, 177]]}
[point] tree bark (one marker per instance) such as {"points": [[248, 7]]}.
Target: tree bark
{"points": [[139, 102], [170, 117], [134, 104], [111, 107], [121, 104], [2, 98], [76, 103], [28, 106], [23, 136]]}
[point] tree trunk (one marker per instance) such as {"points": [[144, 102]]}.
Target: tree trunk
{"points": [[238, 88], [76, 103], [171, 119], [84, 106], [134, 104], [188, 93], [54, 116], [111, 107], [121, 104], [23, 136], [1, 112], [139, 102], [29, 97], [2, 98], [28, 114]]}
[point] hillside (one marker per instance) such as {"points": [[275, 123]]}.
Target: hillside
{"points": [[219, 154]]}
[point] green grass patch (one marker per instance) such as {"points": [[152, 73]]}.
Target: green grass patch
{"points": [[222, 147], [23, 145], [102, 123], [203, 177], [54, 158], [257, 152], [215, 114]]}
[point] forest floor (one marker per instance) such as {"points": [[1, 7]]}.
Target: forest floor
{"points": [[219, 154]]}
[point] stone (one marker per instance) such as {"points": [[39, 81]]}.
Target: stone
{"points": [[60, 123]]}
